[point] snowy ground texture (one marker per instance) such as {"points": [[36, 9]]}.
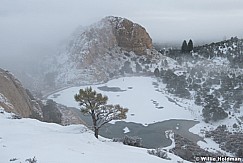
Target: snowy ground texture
{"points": [[21, 139], [145, 98]]}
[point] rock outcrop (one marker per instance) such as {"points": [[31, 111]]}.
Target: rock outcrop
{"points": [[109, 48], [109, 33], [130, 36], [14, 98]]}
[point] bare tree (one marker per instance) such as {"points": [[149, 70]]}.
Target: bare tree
{"points": [[95, 105]]}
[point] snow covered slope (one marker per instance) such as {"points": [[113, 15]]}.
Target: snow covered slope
{"points": [[21, 139]]}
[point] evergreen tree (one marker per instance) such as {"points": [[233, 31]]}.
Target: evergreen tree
{"points": [[95, 105], [239, 153], [51, 112], [156, 72], [198, 100], [184, 47], [190, 46], [165, 63], [138, 68]]}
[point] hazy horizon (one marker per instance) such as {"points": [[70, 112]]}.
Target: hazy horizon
{"points": [[29, 29]]}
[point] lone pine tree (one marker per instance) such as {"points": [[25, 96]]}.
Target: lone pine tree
{"points": [[95, 105]]}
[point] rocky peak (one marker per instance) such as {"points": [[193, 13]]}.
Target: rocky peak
{"points": [[109, 33], [130, 36], [102, 51]]}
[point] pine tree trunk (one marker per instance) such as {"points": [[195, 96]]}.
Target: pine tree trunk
{"points": [[96, 129], [96, 133]]}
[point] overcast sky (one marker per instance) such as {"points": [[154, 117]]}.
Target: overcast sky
{"points": [[37, 26]]}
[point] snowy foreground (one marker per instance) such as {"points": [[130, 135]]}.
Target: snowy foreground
{"points": [[143, 96], [21, 139]]}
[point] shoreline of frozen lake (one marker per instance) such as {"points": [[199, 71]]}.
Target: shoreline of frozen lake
{"points": [[153, 135]]}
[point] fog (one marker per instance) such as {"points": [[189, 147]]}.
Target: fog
{"points": [[33, 28]]}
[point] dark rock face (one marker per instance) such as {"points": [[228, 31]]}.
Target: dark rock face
{"points": [[130, 36]]}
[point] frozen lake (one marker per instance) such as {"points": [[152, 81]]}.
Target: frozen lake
{"points": [[145, 98], [151, 110]]}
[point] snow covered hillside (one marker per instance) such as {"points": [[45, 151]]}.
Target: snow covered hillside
{"points": [[22, 139], [145, 98]]}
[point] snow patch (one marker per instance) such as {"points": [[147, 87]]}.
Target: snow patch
{"points": [[170, 135], [212, 146], [126, 130]]}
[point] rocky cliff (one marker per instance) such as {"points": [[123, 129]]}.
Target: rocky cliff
{"points": [[111, 47], [14, 98], [109, 33], [130, 36]]}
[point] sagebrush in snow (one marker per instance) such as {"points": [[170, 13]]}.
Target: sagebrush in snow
{"points": [[159, 152], [129, 140], [31, 160]]}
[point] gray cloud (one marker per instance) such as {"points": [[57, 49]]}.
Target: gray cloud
{"points": [[32, 28]]}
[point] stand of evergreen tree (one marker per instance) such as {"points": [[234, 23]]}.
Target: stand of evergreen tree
{"points": [[175, 84], [212, 110], [187, 48]]}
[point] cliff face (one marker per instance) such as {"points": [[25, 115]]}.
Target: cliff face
{"points": [[130, 36], [14, 98]]}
